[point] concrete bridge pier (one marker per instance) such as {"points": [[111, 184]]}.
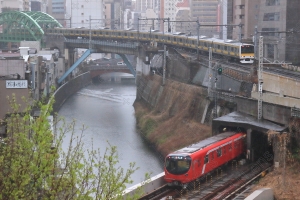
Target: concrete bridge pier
{"points": [[141, 67], [69, 59]]}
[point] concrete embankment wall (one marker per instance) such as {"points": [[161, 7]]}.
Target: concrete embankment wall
{"points": [[173, 97], [69, 88]]}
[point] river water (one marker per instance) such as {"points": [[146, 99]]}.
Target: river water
{"points": [[107, 112]]}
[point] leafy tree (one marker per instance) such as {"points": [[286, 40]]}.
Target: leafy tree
{"points": [[34, 165]]}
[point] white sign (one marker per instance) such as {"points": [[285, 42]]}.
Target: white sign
{"points": [[16, 84], [260, 87]]}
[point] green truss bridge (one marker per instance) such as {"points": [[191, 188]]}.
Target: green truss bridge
{"points": [[17, 26]]}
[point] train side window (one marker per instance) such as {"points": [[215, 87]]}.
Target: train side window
{"points": [[224, 150], [219, 47], [219, 152], [230, 147], [235, 144], [206, 159]]}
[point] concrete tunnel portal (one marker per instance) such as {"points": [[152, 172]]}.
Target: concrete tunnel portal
{"points": [[258, 145]]}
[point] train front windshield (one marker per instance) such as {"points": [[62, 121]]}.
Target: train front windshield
{"points": [[247, 49], [178, 164]]}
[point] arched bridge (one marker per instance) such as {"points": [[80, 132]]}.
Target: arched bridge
{"points": [[25, 25]]}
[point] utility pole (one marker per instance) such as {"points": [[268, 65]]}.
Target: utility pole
{"points": [[260, 78], [255, 42], [90, 33], [198, 32], [260, 67], [165, 52], [240, 32], [215, 91], [165, 63], [210, 72]]}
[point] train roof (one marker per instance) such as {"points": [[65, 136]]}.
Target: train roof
{"points": [[217, 40], [204, 143]]}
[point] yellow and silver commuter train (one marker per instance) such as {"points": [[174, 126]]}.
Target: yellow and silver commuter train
{"points": [[241, 52]]}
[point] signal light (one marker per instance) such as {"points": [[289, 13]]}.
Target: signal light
{"points": [[220, 70]]}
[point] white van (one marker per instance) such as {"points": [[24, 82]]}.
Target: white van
{"points": [[120, 63]]}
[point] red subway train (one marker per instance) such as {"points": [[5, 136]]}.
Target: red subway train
{"points": [[192, 162]]}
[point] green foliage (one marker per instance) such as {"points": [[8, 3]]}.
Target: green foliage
{"points": [[294, 149], [35, 166], [148, 126]]}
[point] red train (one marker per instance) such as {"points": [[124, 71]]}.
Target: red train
{"points": [[192, 162]]}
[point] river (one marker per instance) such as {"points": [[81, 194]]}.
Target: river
{"points": [[106, 109]]}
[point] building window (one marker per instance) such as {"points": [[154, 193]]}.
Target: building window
{"points": [[270, 50], [82, 6], [272, 16], [270, 32], [272, 2], [82, 13]]}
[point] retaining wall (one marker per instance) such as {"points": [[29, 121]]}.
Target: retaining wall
{"points": [[69, 88]]}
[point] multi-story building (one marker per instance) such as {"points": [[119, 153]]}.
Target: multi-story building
{"points": [[17, 5], [169, 10], [81, 11], [244, 13], [143, 5], [39, 5], [183, 14], [278, 22], [57, 9], [208, 13]]}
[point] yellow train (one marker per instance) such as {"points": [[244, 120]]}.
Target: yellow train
{"points": [[244, 53]]}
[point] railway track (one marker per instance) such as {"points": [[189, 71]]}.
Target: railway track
{"points": [[226, 184], [242, 68]]}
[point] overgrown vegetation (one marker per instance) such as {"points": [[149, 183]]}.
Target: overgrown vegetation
{"points": [[35, 166], [148, 126]]}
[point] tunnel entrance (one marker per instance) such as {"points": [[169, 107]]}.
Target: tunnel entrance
{"points": [[258, 147]]}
